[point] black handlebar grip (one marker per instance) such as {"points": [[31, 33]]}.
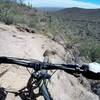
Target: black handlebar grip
{"points": [[3, 60]]}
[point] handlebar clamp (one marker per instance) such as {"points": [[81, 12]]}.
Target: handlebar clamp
{"points": [[36, 66]]}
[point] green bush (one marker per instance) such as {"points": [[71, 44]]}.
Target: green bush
{"points": [[8, 20], [91, 50], [13, 13]]}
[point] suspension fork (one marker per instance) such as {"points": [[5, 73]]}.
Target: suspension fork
{"points": [[43, 87]]}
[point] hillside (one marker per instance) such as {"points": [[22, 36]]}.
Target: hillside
{"points": [[80, 20], [73, 34], [80, 27]]}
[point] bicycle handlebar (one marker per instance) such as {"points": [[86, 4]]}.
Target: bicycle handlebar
{"points": [[87, 70], [23, 62], [37, 65]]}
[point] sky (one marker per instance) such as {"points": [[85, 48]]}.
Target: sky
{"points": [[88, 4]]}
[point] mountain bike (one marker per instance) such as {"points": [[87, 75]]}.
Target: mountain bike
{"points": [[39, 76]]}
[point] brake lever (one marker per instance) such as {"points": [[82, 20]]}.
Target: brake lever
{"points": [[91, 71]]}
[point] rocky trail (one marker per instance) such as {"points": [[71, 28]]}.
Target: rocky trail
{"points": [[16, 43]]}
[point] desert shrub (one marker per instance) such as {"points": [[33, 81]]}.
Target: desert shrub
{"points": [[91, 50], [13, 13], [8, 20]]}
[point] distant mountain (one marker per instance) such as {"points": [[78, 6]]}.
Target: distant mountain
{"points": [[50, 9], [80, 13]]}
